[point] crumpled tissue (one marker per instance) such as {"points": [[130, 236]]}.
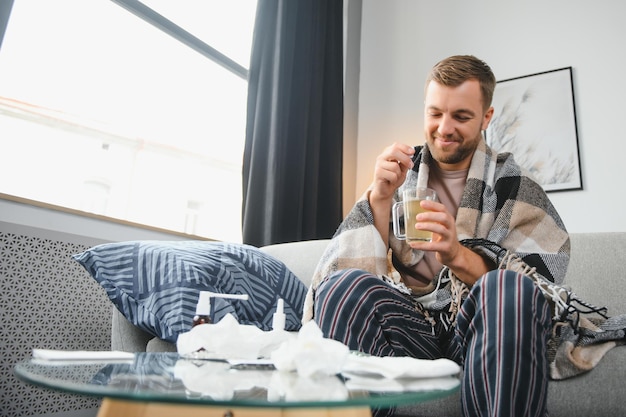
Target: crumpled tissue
{"points": [[228, 339], [310, 353]]}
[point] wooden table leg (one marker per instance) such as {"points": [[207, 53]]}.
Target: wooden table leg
{"points": [[114, 408]]}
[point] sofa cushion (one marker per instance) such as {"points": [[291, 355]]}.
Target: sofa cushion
{"points": [[156, 284], [300, 257], [596, 273]]}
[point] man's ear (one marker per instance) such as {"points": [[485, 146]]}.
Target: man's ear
{"points": [[487, 118]]}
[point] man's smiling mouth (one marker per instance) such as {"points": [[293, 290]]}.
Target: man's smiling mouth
{"points": [[446, 141]]}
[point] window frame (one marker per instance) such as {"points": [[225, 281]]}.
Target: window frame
{"points": [[167, 26], [162, 23]]}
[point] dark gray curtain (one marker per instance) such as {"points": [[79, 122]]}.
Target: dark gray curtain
{"points": [[292, 168]]}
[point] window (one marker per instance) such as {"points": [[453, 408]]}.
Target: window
{"points": [[103, 112]]}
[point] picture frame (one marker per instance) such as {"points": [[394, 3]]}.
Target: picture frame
{"points": [[535, 119]]}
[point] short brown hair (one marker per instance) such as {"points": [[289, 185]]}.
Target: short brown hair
{"points": [[455, 70]]}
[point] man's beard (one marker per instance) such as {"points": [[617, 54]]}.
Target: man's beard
{"points": [[464, 150]]}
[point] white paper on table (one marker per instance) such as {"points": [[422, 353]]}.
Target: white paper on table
{"points": [[82, 355]]}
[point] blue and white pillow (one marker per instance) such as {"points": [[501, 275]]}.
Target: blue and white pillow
{"points": [[156, 284]]}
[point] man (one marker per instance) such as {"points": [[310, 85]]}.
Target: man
{"points": [[477, 292]]}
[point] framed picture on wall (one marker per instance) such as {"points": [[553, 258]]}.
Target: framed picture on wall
{"points": [[535, 119]]}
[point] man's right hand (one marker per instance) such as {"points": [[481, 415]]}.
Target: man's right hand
{"points": [[389, 174], [390, 170]]}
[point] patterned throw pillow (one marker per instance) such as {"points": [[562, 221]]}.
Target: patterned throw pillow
{"points": [[156, 284]]}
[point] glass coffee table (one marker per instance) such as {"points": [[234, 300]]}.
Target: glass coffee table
{"points": [[166, 384]]}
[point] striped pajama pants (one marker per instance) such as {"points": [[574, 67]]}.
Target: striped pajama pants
{"points": [[500, 337]]}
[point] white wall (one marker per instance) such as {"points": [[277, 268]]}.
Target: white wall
{"points": [[402, 39]]}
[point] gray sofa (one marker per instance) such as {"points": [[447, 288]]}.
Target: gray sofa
{"points": [[596, 274]]}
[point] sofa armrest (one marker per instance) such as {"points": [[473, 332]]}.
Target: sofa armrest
{"points": [[125, 336]]}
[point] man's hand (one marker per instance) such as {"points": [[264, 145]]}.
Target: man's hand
{"points": [[465, 263], [389, 174], [390, 170]]}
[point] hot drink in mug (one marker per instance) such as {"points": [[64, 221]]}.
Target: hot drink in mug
{"points": [[405, 211]]}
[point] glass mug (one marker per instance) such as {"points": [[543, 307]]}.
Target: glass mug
{"points": [[409, 208]]}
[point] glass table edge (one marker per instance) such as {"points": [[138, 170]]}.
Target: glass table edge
{"points": [[382, 400]]}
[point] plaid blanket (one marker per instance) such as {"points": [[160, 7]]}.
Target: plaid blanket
{"points": [[507, 217]]}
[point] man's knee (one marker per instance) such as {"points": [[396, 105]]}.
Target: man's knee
{"points": [[503, 281], [345, 281], [501, 292]]}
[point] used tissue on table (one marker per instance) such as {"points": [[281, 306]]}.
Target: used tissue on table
{"points": [[310, 353], [228, 339]]}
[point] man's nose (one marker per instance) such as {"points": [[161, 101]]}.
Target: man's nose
{"points": [[446, 126]]}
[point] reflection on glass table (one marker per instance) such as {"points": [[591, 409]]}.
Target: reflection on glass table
{"points": [[163, 379]]}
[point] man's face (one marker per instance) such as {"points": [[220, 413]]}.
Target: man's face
{"points": [[453, 121]]}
